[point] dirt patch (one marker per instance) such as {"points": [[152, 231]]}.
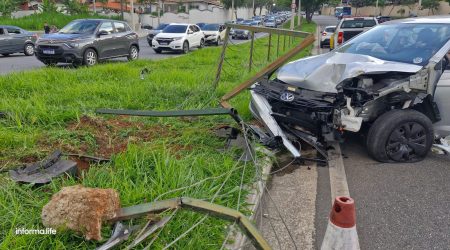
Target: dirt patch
{"points": [[105, 137]]}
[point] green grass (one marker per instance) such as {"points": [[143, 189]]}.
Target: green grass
{"points": [[162, 154], [36, 21]]}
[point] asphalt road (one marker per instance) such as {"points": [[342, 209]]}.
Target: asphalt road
{"points": [[398, 206], [20, 62]]}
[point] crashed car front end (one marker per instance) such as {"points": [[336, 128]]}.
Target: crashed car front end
{"points": [[318, 98]]}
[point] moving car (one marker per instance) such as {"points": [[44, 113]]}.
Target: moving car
{"points": [[271, 23], [241, 34], [16, 40], [326, 35], [154, 32], [214, 33], [349, 27], [390, 84], [179, 37], [86, 41]]}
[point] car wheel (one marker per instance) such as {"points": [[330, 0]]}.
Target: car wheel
{"points": [[185, 47], [133, 54], [90, 57], [202, 44], [400, 136], [28, 49], [5, 55], [158, 51]]}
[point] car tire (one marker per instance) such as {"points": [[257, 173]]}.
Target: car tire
{"points": [[185, 47], [400, 136], [157, 51], [28, 49], [6, 54], [90, 57], [133, 53], [202, 44]]}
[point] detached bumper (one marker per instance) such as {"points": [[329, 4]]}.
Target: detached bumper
{"points": [[261, 109]]}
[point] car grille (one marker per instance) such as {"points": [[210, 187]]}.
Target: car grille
{"points": [[164, 40], [206, 36], [58, 50]]}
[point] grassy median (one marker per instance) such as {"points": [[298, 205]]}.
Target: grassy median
{"points": [[54, 108]]}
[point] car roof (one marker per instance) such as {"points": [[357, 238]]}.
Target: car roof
{"points": [[99, 19], [181, 24], [9, 26], [358, 18], [428, 19], [332, 26]]}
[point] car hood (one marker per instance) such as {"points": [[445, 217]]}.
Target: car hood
{"points": [[63, 37], [169, 35], [323, 72]]}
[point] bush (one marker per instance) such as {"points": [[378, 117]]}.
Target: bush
{"points": [[36, 21]]}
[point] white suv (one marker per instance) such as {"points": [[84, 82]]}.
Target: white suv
{"points": [[178, 37]]}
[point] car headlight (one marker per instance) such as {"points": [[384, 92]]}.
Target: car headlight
{"points": [[72, 45], [177, 38]]}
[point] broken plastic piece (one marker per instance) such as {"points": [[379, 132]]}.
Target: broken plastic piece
{"points": [[149, 230], [43, 172]]}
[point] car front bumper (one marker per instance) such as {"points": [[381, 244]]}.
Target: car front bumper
{"points": [[174, 45], [58, 53]]}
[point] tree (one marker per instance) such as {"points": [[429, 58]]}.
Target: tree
{"points": [[49, 6], [74, 7], [431, 5], [8, 7], [310, 6]]}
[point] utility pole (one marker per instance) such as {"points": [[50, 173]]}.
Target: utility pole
{"points": [[121, 9], [292, 14], [159, 12], [300, 12], [232, 10], [253, 9]]}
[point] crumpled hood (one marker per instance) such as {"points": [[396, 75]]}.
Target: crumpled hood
{"points": [[323, 72]]}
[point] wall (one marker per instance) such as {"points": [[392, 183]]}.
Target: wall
{"points": [[391, 10]]}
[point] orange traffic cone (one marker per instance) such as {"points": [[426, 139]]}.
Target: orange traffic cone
{"points": [[341, 230]]}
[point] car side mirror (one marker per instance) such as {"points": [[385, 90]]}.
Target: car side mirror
{"points": [[102, 33]]}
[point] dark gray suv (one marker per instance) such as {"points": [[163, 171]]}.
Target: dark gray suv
{"points": [[16, 40], [86, 41]]}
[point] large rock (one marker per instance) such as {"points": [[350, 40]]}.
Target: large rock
{"points": [[81, 209]]}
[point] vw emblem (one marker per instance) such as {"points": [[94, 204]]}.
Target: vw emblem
{"points": [[287, 97]]}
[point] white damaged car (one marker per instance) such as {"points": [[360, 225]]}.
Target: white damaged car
{"points": [[391, 83]]}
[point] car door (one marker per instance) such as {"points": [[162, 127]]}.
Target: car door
{"points": [[191, 36], [199, 35], [121, 40], [442, 99], [4, 41], [16, 39], [106, 40]]}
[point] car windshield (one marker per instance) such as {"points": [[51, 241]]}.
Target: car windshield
{"points": [[211, 27], [175, 29], [161, 26], [407, 43], [80, 27]]}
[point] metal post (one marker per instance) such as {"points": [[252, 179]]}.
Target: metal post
{"points": [[133, 23], [222, 57], [95, 8], [284, 42], [121, 9], [159, 12], [251, 52], [270, 45], [278, 45], [300, 13], [292, 14]]}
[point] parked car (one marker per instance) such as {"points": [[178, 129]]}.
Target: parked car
{"points": [[146, 26], [200, 25], [16, 40], [154, 32], [349, 27], [87, 41], [179, 37], [326, 35], [241, 34], [255, 23], [382, 19], [390, 84], [247, 22], [214, 33], [271, 23]]}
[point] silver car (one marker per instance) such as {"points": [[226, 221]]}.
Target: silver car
{"points": [[391, 83], [16, 40]]}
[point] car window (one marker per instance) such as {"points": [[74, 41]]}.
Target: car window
{"points": [[329, 29], [120, 27], [351, 24], [12, 30], [191, 28], [175, 29], [80, 27], [106, 26], [196, 28]]}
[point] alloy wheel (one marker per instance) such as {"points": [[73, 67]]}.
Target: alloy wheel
{"points": [[134, 53], [29, 49], [91, 58]]}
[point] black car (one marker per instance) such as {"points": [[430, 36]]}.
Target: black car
{"points": [[155, 32], [86, 41], [16, 40]]}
